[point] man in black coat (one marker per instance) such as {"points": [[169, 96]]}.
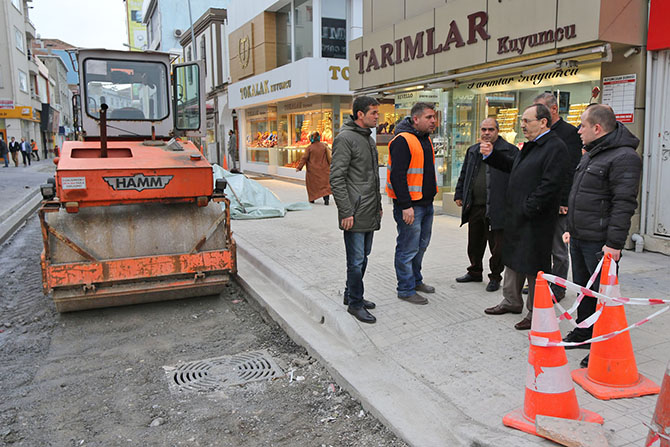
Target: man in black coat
{"points": [[4, 151], [568, 133], [14, 148], [602, 201], [481, 192], [536, 177]]}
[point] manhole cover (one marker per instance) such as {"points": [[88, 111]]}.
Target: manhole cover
{"points": [[218, 372]]}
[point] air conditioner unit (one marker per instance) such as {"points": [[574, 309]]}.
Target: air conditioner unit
{"points": [[177, 33]]}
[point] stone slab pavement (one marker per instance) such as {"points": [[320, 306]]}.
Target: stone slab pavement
{"points": [[441, 374], [19, 193]]}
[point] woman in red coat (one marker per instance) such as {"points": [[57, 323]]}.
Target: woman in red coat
{"points": [[317, 157]]}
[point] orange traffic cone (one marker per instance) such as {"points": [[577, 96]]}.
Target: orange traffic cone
{"points": [[225, 162], [659, 435], [612, 371], [549, 390]]}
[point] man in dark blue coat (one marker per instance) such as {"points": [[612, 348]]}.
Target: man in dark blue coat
{"points": [[481, 192], [536, 177]]}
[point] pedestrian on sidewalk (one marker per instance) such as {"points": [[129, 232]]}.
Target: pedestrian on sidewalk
{"points": [[25, 151], [536, 177], [602, 202], [14, 148], [232, 150], [35, 151], [317, 158], [568, 134], [354, 180], [480, 191], [4, 151], [412, 184]]}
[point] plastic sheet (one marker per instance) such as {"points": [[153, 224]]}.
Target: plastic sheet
{"points": [[251, 200]]}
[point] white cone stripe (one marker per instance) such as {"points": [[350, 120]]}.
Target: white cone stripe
{"points": [[544, 320], [550, 380]]}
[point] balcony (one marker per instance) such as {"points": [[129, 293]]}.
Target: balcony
{"points": [[30, 29]]}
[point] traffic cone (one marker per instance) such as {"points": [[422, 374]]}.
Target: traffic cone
{"points": [[612, 371], [549, 390], [225, 162], [660, 424]]}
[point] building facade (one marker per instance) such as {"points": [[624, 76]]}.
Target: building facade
{"points": [[484, 58], [20, 106], [211, 47], [289, 71]]}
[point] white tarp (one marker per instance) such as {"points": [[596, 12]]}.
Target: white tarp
{"points": [[257, 202]]}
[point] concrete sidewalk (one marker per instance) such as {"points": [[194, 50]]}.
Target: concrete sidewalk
{"points": [[444, 374], [20, 193]]}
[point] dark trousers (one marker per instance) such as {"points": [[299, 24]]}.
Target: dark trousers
{"points": [[479, 233], [26, 156], [358, 247], [585, 256], [560, 258]]}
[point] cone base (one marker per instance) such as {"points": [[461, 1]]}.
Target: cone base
{"points": [[606, 392], [516, 419]]}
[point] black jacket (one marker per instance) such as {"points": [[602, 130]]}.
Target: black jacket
{"points": [[3, 147], [603, 197], [400, 157], [496, 183], [14, 147], [531, 207], [568, 133]]}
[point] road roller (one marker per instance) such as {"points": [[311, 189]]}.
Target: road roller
{"points": [[133, 214]]}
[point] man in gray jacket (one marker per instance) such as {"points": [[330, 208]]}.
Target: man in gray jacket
{"points": [[354, 181]]}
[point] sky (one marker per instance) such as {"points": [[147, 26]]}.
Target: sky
{"points": [[82, 23]]}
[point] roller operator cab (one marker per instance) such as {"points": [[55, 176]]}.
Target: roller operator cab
{"points": [[133, 214]]}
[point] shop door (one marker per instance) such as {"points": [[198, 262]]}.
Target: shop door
{"points": [[659, 162]]}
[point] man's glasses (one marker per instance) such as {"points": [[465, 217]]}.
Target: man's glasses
{"points": [[488, 129]]}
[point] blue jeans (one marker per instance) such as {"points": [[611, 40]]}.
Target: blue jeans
{"points": [[411, 245], [358, 246], [6, 157], [585, 256]]}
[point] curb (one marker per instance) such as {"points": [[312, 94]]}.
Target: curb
{"points": [[16, 216], [401, 400]]}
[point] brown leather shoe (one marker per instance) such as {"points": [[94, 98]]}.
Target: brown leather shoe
{"points": [[414, 299], [501, 310], [523, 325]]}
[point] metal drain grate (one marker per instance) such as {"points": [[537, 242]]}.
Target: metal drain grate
{"points": [[216, 373]]}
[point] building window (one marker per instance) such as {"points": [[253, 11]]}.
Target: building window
{"points": [[153, 29], [23, 81], [334, 29], [283, 23], [20, 44], [189, 54], [17, 4], [303, 29]]}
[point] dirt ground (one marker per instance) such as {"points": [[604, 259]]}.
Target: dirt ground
{"points": [[98, 378]]}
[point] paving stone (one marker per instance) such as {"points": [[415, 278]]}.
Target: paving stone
{"points": [[571, 433]]}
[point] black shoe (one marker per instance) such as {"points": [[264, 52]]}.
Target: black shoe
{"points": [[468, 278], [500, 310], [362, 314], [575, 337], [493, 285], [585, 362], [367, 304], [311, 201], [414, 299], [326, 200]]}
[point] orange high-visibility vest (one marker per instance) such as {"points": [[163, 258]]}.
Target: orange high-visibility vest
{"points": [[415, 170]]}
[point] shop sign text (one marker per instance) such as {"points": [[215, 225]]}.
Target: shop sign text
{"points": [[518, 45], [334, 70], [392, 53], [263, 88], [535, 79]]}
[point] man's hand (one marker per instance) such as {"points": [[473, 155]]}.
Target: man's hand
{"points": [[616, 254], [347, 223], [485, 148], [408, 216], [459, 202], [562, 210], [566, 238]]}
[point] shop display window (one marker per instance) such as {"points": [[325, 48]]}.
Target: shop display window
{"points": [[261, 133]]}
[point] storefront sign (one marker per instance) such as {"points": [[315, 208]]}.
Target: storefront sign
{"points": [[299, 105], [407, 100], [619, 93], [519, 44], [6, 104], [334, 70], [25, 113], [263, 88], [535, 79], [412, 48], [334, 38]]}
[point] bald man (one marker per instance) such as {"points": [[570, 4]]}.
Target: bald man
{"points": [[481, 193]]}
